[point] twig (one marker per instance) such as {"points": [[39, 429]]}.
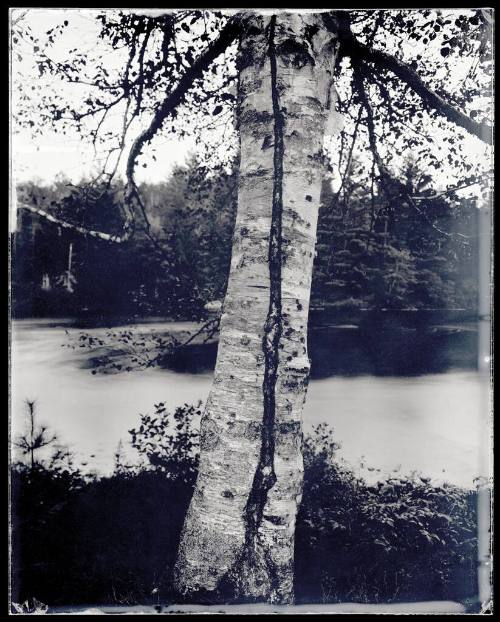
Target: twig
{"points": [[384, 173], [382, 61]]}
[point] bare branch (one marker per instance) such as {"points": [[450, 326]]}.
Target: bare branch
{"points": [[140, 77], [108, 237], [210, 327], [349, 157], [358, 76], [371, 36]]}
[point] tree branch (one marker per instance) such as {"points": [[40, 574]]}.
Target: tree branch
{"points": [[372, 35], [350, 46], [226, 37], [431, 197], [385, 175], [108, 237]]}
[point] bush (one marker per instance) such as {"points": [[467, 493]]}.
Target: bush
{"points": [[114, 539], [402, 539], [170, 442], [42, 499]]}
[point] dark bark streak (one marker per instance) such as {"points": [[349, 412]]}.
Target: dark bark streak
{"points": [[265, 477]]}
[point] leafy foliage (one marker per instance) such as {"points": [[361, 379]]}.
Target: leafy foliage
{"points": [[114, 539], [374, 250], [171, 270], [448, 51], [404, 538], [377, 263], [451, 53], [170, 441], [152, 50]]}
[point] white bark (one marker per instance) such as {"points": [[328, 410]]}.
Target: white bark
{"points": [[238, 538], [107, 237]]}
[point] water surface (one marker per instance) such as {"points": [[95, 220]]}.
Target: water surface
{"points": [[435, 423]]}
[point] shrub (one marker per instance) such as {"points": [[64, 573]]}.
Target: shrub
{"points": [[115, 539], [170, 441], [401, 539]]}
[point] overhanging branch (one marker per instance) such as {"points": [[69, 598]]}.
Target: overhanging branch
{"points": [[226, 37], [386, 178], [107, 237], [383, 61]]}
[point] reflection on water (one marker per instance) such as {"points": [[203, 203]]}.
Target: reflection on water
{"points": [[430, 422], [353, 351]]}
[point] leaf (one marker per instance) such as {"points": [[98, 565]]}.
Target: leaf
{"points": [[217, 110]]}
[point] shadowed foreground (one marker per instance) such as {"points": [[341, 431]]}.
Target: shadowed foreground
{"points": [[113, 541]]}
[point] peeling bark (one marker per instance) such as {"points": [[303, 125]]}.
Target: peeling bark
{"points": [[265, 476], [238, 538]]}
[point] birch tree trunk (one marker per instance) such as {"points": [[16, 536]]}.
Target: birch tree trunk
{"points": [[238, 537]]}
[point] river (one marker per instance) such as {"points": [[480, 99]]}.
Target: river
{"points": [[434, 423]]}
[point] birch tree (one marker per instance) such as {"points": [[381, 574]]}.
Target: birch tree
{"points": [[294, 75]]}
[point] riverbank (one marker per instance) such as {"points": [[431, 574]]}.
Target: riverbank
{"points": [[433, 422], [378, 345], [319, 316], [113, 540]]}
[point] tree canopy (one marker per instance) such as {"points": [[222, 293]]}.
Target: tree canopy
{"points": [[407, 81]]}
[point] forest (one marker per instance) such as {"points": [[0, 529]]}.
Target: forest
{"points": [[375, 250]]}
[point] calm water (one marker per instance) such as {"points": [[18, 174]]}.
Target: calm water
{"points": [[435, 423]]}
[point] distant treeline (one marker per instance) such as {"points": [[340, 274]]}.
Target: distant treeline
{"points": [[170, 268], [376, 249]]}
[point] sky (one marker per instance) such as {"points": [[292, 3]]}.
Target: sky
{"points": [[51, 155]]}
